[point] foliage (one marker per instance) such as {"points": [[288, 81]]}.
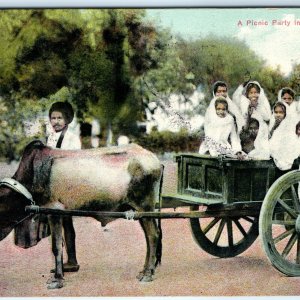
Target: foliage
{"points": [[167, 141], [112, 65], [213, 58], [95, 54], [294, 79], [272, 81], [171, 77]]}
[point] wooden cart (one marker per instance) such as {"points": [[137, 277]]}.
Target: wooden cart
{"points": [[238, 200]]}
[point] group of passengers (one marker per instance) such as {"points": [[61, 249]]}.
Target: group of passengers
{"points": [[245, 126]]}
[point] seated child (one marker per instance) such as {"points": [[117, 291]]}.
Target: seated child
{"points": [[279, 114], [287, 95], [220, 90], [284, 138], [254, 138], [219, 131], [254, 99]]}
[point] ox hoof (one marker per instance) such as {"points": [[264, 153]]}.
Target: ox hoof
{"points": [[67, 267], [145, 276], [55, 283]]}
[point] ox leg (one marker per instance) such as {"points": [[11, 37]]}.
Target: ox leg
{"points": [[152, 239], [56, 236], [69, 233]]}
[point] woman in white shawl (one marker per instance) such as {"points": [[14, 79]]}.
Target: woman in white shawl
{"points": [[219, 130], [284, 141], [287, 95], [220, 89], [254, 138], [253, 98]]}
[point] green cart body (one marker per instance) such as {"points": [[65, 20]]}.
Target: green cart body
{"points": [[237, 201]]}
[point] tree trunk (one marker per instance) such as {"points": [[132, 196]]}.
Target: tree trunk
{"points": [[109, 137]]}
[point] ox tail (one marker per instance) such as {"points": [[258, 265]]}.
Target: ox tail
{"points": [[159, 243]]}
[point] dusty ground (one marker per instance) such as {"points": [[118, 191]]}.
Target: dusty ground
{"points": [[110, 261]]}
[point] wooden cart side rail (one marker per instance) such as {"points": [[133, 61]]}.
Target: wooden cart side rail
{"points": [[177, 200], [135, 215]]}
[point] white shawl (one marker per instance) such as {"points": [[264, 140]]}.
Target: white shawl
{"points": [[285, 144], [263, 106], [232, 108], [261, 144], [217, 133], [291, 110], [70, 141]]}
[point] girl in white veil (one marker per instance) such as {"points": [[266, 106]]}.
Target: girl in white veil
{"points": [[287, 95], [284, 141], [257, 130], [254, 99], [219, 131], [220, 89]]}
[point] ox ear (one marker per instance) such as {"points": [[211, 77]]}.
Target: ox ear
{"points": [[41, 173]]}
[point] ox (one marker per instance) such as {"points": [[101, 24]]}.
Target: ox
{"points": [[114, 179]]}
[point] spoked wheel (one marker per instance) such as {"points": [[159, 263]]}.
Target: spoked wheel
{"points": [[279, 224], [224, 236]]}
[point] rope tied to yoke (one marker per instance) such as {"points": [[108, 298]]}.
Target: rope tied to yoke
{"points": [[130, 215]]}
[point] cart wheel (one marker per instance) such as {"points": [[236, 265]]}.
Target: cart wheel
{"points": [[279, 224], [224, 236]]}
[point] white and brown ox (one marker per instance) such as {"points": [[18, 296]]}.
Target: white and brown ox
{"points": [[104, 179]]}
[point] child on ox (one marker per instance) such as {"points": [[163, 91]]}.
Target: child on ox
{"points": [[218, 133]]}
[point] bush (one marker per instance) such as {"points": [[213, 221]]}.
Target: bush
{"points": [[167, 141]]}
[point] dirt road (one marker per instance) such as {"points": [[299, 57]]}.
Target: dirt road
{"points": [[110, 260]]}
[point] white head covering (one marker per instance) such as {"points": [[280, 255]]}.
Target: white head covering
{"points": [[294, 108], [219, 83], [232, 108], [217, 132], [284, 143], [272, 119], [261, 144], [263, 106]]}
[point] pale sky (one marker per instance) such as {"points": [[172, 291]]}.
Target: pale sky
{"points": [[275, 36]]}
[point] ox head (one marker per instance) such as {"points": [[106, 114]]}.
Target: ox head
{"points": [[12, 203], [12, 210]]}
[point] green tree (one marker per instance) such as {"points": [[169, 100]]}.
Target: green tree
{"points": [[95, 54], [214, 58], [294, 78], [272, 80], [171, 77]]}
